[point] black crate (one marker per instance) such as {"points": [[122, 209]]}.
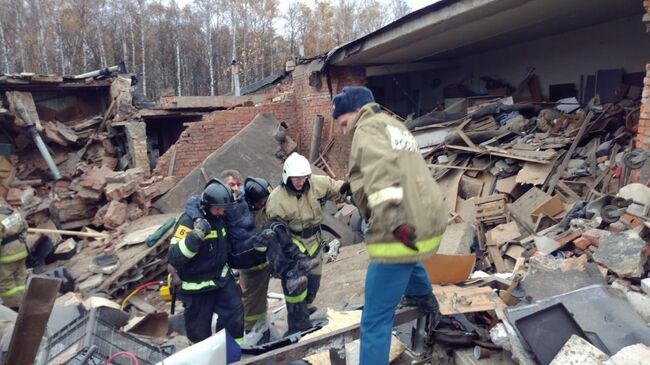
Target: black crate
{"points": [[91, 330]]}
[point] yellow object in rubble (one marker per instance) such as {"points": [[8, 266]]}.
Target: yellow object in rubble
{"points": [[165, 290]]}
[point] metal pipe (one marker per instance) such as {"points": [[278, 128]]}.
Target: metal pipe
{"points": [[31, 130], [315, 138]]}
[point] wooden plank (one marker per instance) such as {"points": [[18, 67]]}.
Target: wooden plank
{"points": [[454, 300], [32, 319], [27, 100], [497, 153], [567, 191], [572, 149], [336, 339], [210, 102], [172, 162], [68, 233]]}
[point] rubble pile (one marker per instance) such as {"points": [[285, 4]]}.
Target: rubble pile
{"points": [[100, 193], [543, 198]]}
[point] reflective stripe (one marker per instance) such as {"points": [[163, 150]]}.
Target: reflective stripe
{"points": [[174, 241], [255, 317], [384, 195], [13, 258], [239, 340], [187, 285], [302, 248], [185, 250], [397, 249], [296, 299], [13, 291], [260, 266], [225, 271], [215, 234], [310, 305]]}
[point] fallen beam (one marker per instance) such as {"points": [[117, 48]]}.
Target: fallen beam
{"points": [[32, 319], [68, 233], [336, 340]]}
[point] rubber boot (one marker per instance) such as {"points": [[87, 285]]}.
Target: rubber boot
{"points": [[427, 303]]}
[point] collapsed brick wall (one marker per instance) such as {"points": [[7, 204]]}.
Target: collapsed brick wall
{"points": [[200, 139], [299, 110], [643, 133], [311, 102]]}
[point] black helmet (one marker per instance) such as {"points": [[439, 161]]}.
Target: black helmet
{"points": [[255, 189], [216, 194]]}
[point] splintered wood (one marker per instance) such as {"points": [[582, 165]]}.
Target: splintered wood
{"points": [[491, 210], [454, 300]]}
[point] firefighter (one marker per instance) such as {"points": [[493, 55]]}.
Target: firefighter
{"points": [[13, 253], [298, 202], [393, 188], [199, 252]]}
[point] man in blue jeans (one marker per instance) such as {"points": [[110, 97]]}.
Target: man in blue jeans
{"points": [[393, 188]]}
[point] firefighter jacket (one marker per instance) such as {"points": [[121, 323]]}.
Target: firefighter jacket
{"points": [[201, 264], [303, 212], [12, 229], [242, 231], [392, 185]]}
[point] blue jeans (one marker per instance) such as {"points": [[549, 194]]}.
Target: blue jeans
{"points": [[385, 285]]}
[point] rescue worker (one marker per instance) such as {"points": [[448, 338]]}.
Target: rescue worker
{"points": [[255, 244], [13, 252], [199, 252], [393, 188], [298, 202]]}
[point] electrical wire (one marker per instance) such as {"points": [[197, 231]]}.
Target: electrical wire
{"points": [[137, 290], [134, 360]]}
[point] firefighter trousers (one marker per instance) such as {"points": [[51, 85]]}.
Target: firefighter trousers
{"points": [[12, 282], [200, 308], [254, 284]]}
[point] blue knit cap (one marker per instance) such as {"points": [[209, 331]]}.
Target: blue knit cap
{"points": [[351, 99]]}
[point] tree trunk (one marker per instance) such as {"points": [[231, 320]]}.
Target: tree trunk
{"points": [[41, 37], [178, 67], [144, 50], [84, 58], [208, 25], [19, 32], [59, 43], [133, 68], [5, 50]]}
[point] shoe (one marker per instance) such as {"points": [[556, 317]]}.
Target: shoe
{"points": [[312, 310], [297, 283], [307, 265], [427, 303]]}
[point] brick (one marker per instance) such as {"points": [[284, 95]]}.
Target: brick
{"points": [[120, 191], [95, 179], [595, 235], [136, 174], [115, 214], [159, 188], [581, 243], [89, 196], [71, 209], [134, 212]]}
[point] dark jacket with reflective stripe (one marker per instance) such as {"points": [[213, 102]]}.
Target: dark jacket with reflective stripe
{"points": [[240, 223], [206, 267]]}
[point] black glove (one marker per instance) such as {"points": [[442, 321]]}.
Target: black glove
{"points": [[261, 240], [345, 189], [202, 228]]}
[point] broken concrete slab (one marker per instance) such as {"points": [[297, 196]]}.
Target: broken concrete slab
{"points": [[251, 151], [641, 304], [631, 355], [645, 285], [578, 351], [457, 239], [548, 277], [622, 253]]}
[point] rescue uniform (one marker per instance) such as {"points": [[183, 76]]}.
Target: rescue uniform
{"points": [[207, 286], [302, 213], [391, 185], [13, 252], [254, 270]]}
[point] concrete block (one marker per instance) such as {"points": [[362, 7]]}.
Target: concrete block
{"points": [[622, 253], [595, 235], [578, 351], [631, 355], [641, 304], [645, 285], [457, 239]]}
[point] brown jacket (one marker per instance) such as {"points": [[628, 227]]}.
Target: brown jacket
{"points": [[392, 185]]}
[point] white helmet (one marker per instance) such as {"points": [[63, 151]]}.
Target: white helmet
{"points": [[295, 165]]}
